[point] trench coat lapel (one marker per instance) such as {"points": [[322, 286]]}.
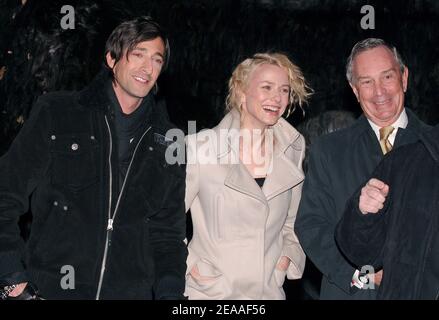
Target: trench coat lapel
{"points": [[285, 174], [238, 177], [240, 180]]}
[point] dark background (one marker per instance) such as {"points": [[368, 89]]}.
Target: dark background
{"points": [[208, 39]]}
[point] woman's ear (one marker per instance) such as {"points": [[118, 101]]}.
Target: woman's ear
{"points": [[241, 97]]}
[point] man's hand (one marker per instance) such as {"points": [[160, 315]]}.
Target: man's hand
{"points": [[18, 290], [373, 195]]}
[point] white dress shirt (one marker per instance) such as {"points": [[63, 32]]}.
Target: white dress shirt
{"points": [[401, 122]]}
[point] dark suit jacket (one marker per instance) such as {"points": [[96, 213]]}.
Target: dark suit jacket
{"points": [[340, 163]]}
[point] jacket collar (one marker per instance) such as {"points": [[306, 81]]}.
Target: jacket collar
{"points": [[285, 136], [412, 132], [431, 141], [414, 125], [284, 175], [95, 96]]}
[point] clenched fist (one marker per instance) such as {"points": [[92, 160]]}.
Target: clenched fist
{"points": [[373, 195]]}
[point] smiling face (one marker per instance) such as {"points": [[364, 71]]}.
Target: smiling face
{"points": [[265, 97], [136, 74], [379, 85]]}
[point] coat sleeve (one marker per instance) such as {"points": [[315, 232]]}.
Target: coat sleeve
{"points": [[21, 170], [192, 188], [361, 237], [291, 246], [316, 222], [167, 234], [192, 171]]}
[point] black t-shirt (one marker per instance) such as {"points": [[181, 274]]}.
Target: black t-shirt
{"points": [[260, 181], [129, 128]]}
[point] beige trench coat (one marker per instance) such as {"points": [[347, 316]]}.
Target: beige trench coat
{"points": [[240, 231]]}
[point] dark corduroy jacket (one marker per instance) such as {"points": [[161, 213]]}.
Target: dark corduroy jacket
{"points": [[64, 164]]}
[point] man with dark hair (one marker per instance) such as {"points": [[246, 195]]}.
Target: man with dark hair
{"points": [[340, 162], [108, 209]]}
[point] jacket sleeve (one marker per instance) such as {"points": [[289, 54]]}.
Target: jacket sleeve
{"points": [[167, 234], [316, 222], [192, 171], [361, 237], [21, 170], [291, 246]]}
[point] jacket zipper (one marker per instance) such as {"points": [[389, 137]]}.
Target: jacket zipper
{"points": [[111, 218]]}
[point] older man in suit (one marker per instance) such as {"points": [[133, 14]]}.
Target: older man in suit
{"points": [[341, 162]]}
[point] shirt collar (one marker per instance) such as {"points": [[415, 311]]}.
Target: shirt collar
{"points": [[401, 122]]}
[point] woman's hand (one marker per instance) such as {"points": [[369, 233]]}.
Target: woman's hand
{"points": [[283, 263], [195, 273]]}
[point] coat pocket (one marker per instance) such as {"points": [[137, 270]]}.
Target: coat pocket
{"points": [[206, 283], [74, 161], [279, 277]]}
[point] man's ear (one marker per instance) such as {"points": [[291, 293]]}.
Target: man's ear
{"points": [[405, 76], [110, 61], [354, 89]]}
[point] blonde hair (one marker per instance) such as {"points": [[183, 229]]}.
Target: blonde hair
{"points": [[299, 93]]}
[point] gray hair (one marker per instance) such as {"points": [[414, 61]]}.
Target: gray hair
{"points": [[368, 44]]}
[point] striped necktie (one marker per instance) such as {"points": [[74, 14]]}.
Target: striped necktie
{"points": [[385, 144]]}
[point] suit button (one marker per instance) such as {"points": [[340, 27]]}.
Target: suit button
{"points": [[75, 146]]}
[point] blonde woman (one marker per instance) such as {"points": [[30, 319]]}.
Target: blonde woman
{"points": [[244, 182]]}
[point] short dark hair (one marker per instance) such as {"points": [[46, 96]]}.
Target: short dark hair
{"points": [[368, 44], [129, 33]]}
